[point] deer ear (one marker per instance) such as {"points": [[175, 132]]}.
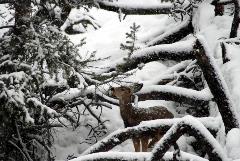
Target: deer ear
{"points": [[136, 87]]}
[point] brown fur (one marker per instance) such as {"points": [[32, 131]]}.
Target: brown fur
{"points": [[133, 116]]}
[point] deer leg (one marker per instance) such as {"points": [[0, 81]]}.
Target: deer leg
{"points": [[136, 143], [144, 141], [154, 140]]}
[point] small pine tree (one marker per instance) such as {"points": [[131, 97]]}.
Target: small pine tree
{"points": [[130, 44]]}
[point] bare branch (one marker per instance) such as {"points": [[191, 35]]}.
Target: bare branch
{"points": [[4, 27]]}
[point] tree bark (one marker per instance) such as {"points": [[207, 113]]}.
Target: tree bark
{"points": [[217, 86], [236, 19]]}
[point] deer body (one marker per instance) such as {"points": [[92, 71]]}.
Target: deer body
{"points": [[133, 116]]}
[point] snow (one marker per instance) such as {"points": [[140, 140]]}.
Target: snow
{"points": [[233, 143], [175, 28]]}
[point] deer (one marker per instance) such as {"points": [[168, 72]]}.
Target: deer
{"points": [[132, 116]]}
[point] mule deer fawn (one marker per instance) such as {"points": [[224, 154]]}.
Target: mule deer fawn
{"points": [[132, 116]]}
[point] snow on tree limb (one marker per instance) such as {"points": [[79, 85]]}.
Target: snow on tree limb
{"points": [[189, 125], [135, 9], [144, 128], [173, 93], [131, 156], [173, 35], [177, 51], [217, 84]]}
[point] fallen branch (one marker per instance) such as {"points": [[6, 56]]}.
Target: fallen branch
{"points": [[145, 128], [217, 84]]}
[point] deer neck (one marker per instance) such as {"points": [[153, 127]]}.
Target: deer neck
{"points": [[126, 108]]}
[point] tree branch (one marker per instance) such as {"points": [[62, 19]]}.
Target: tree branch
{"points": [[8, 26], [145, 128], [217, 84], [177, 51], [189, 125], [131, 156], [135, 10], [173, 35], [172, 93]]}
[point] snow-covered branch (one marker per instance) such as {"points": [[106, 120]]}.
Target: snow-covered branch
{"points": [[177, 51], [216, 83], [135, 9], [131, 156], [173, 93], [120, 136], [193, 127], [173, 35]]}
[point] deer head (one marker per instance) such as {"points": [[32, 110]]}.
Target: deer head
{"points": [[125, 92]]}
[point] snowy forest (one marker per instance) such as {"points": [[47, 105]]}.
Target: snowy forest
{"points": [[119, 80]]}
